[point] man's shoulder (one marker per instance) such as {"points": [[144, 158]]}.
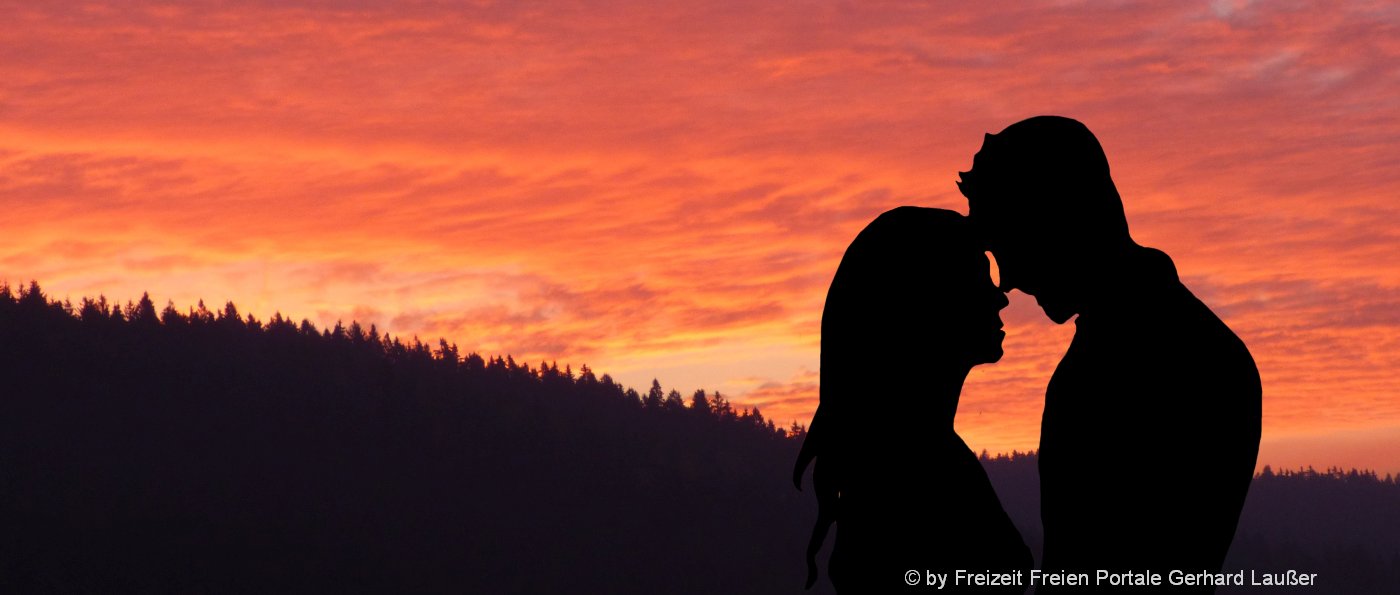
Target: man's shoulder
{"points": [[1152, 266], [1157, 313]]}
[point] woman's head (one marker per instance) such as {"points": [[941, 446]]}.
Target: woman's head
{"points": [[915, 283], [913, 291]]}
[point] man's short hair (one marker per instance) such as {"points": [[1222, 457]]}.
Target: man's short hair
{"points": [[1046, 170]]}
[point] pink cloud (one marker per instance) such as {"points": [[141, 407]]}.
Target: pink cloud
{"points": [[626, 181]]}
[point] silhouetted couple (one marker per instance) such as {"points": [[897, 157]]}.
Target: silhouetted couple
{"points": [[1151, 421]]}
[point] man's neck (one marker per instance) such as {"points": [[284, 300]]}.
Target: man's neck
{"points": [[1133, 276]]}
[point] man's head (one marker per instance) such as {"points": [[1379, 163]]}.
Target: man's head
{"points": [[1040, 193]]}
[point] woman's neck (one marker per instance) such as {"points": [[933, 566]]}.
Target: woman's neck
{"points": [[936, 402]]}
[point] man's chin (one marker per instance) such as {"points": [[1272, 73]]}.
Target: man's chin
{"points": [[1057, 313]]}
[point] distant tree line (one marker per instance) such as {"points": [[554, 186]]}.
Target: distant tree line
{"points": [[199, 322], [160, 450], [1342, 525]]}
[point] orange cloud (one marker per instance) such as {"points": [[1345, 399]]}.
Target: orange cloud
{"points": [[664, 190]]}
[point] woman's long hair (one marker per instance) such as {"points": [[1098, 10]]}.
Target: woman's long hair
{"points": [[884, 282]]}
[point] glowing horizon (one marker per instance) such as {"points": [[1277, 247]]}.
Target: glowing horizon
{"points": [[664, 191]]}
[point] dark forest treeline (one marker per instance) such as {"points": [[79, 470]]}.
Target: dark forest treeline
{"points": [[201, 323], [146, 451], [205, 451], [1342, 525]]}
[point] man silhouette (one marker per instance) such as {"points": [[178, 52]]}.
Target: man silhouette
{"points": [[1151, 424]]}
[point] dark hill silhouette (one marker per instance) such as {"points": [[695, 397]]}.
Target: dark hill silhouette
{"points": [[1342, 525], [207, 452]]}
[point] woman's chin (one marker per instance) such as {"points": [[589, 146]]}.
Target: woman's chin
{"points": [[992, 354]]}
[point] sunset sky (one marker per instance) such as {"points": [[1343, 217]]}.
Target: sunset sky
{"points": [[664, 189]]}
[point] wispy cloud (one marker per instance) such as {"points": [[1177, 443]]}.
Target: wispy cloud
{"points": [[665, 189]]}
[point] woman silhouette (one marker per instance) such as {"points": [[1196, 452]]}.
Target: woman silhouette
{"points": [[911, 310]]}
